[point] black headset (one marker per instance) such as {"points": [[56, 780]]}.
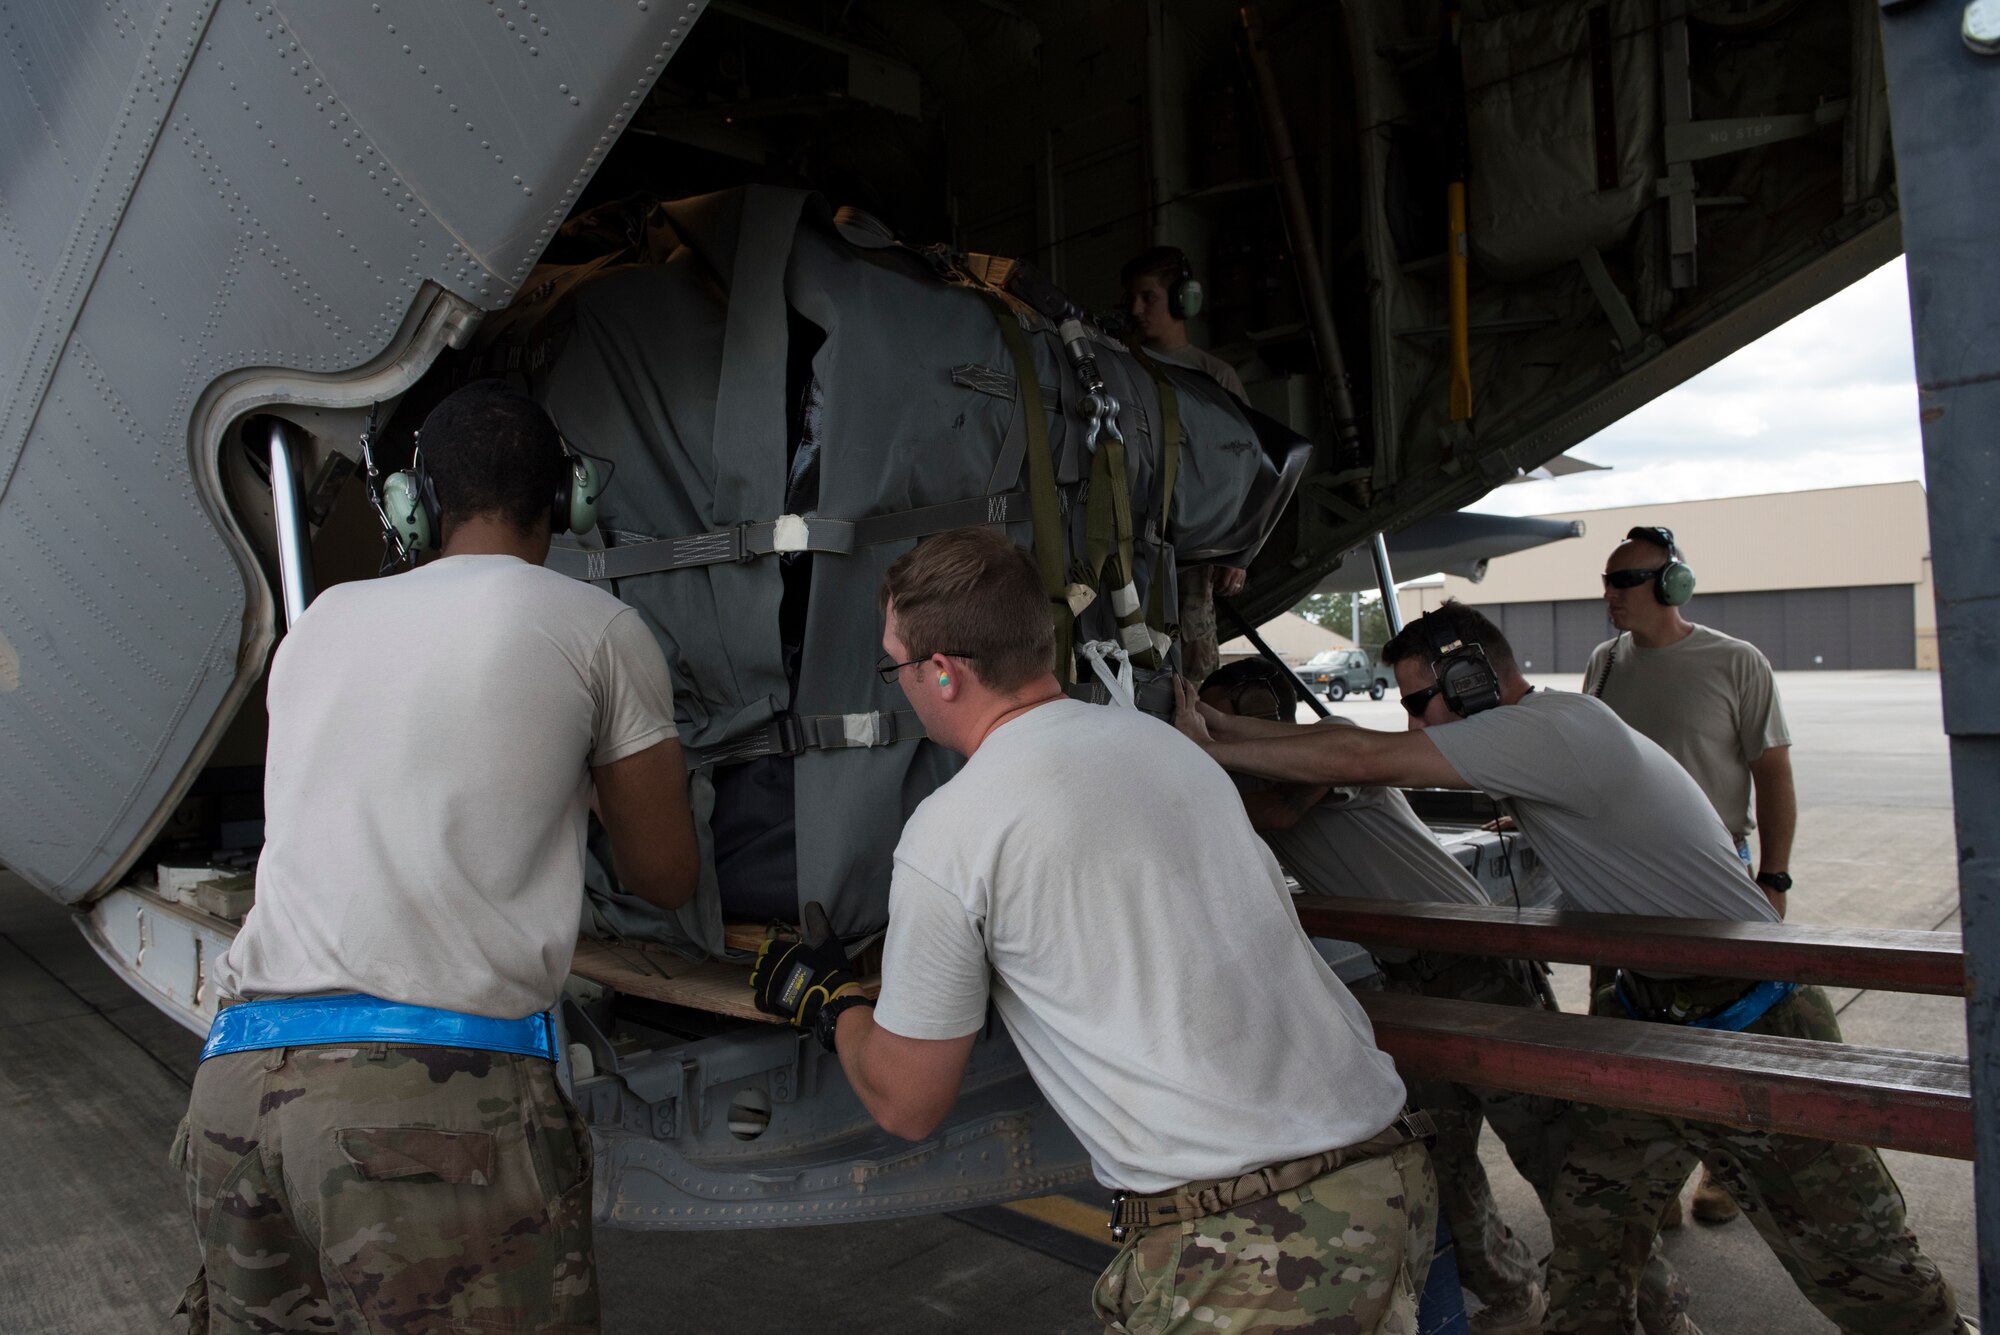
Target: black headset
{"points": [[1465, 675], [1674, 585], [1184, 293]]}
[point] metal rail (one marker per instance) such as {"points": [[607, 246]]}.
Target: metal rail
{"points": [[1878, 959], [1830, 1091], [295, 574]]}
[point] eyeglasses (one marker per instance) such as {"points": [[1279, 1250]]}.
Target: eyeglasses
{"points": [[886, 667], [1630, 579], [1418, 701]]}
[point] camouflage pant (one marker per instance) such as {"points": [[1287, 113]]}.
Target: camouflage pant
{"points": [[384, 1188], [1831, 1213], [1347, 1251], [1493, 1262], [1198, 637]]}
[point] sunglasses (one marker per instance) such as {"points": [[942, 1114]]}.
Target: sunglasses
{"points": [[1630, 579], [886, 667], [1418, 701]]}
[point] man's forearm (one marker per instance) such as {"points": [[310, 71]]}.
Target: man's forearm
{"points": [[1777, 803], [906, 1084], [1244, 728], [853, 1034], [1310, 756]]}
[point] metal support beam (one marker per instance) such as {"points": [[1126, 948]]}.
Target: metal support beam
{"points": [[295, 573], [1944, 101], [1378, 548], [1877, 959], [1830, 1091]]}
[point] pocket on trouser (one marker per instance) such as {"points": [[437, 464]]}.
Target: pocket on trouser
{"points": [[259, 1271], [1135, 1293], [424, 1225]]}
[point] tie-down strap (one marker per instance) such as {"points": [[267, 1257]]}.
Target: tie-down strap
{"points": [[786, 533], [794, 734]]}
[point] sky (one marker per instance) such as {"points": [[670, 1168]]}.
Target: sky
{"points": [[1826, 400]]}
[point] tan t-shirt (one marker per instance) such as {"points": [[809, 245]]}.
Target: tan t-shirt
{"points": [[1210, 365], [1708, 700], [1092, 873], [427, 782], [1368, 843], [1616, 819]]}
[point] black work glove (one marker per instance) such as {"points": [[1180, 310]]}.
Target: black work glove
{"points": [[793, 979]]}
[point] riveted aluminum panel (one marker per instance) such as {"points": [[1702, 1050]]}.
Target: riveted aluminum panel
{"points": [[207, 206]]}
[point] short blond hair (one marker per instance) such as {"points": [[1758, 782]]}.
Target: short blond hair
{"points": [[971, 591]]}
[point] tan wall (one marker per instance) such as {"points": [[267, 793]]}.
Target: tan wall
{"points": [[1792, 540], [1926, 596], [1294, 638], [1417, 599]]}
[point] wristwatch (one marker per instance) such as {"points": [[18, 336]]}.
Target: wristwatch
{"points": [[1779, 881], [829, 1017]]}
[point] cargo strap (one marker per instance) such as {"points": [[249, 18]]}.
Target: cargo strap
{"points": [[1748, 1008], [1107, 528], [795, 734], [1043, 504], [1222, 1194], [787, 533], [309, 1022], [1118, 682], [1170, 467]]}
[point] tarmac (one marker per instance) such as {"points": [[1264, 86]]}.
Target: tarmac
{"points": [[94, 1236]]}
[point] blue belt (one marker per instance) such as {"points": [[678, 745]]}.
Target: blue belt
{"points": [[1737, 1016], [306, 1022]]}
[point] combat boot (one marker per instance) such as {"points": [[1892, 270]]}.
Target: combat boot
{"points": [[1712, 1202], [1519, 1313]]}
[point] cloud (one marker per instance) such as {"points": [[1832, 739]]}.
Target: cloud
{"points": [[1828, 399]]}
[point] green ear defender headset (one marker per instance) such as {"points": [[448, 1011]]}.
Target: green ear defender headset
{"points": [[410, 511], [1184, 293], [1674, 585]]}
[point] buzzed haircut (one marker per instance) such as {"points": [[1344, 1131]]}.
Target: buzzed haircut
{"points": [[1441, 625], [1161, 262], [491, 450], [972, 591]]}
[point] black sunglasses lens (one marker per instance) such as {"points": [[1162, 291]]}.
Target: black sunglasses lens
{"points": [[1628, 579], [1418, 701]]}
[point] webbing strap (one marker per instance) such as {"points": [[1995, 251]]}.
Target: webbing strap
{"points": [[793, 734], [1107, 561], [1170, 467], [788, 533], [1042, 502]]}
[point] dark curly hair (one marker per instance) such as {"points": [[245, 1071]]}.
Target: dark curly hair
{"points": [[491, 450]]}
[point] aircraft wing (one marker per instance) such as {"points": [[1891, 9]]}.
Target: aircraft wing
{"points": [[1455, 544]]}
